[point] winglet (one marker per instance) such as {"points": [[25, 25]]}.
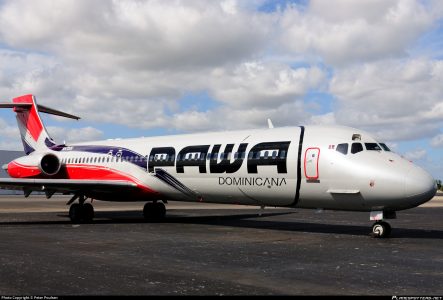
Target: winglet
{"points": [[270, 125]]}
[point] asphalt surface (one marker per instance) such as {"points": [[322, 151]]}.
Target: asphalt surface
{"points": [[216, 250]]}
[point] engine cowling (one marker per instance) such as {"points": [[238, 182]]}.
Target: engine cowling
{"points": [[50, 164], [34, 166]]}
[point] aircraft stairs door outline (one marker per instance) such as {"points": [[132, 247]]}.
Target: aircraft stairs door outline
{"points": [[312, 156]]}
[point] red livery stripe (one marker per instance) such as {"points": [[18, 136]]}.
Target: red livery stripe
{"points": [[86, 172], [17, 170], [102, 173]]}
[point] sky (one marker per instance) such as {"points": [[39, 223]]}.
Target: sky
{"points": [[145, 68]]}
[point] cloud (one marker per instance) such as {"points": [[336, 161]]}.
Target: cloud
{"points": [[263, 84], [399, 98], [70, 136], [343, 32], [133, 34]]}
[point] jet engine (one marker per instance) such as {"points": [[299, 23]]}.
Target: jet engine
{"points": [[34, 166], [49, 164]]}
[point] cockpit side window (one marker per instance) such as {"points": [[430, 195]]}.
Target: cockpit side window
{"points": [[372, 147], [342, 148], [386, 148], [356, 147]]}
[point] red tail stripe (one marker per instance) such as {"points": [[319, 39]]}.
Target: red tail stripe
{"points": [[29, 118]]}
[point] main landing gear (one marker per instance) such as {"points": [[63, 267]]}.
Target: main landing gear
{"points": [[80, 212], [154, 211], [381, 229]]}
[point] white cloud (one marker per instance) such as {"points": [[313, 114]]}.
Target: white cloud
{"points": [[263, 84], [84, 134], [399, 98], [138, 35], [342, 32]]}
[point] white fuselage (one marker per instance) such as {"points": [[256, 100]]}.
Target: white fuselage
{"points": [[305, 167]]}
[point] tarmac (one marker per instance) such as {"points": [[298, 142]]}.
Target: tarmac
{"points": [[207, 249]]}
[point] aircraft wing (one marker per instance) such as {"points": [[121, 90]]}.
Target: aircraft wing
{"points": [[66, 186]]}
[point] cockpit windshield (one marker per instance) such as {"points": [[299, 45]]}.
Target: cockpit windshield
{"points": [[372, 147], [358, 147], [386, 148]]}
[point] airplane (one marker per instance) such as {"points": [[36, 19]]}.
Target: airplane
{"points": [[313, 167]]}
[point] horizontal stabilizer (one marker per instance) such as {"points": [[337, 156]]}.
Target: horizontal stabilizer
{"points": [[40, 108]]}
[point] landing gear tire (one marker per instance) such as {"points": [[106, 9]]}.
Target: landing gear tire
{"points": [[381, 229], [154, 211], [88, 213], [79, 213]]}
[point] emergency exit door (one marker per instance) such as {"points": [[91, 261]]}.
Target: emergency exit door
{"points": [[312, 156]]}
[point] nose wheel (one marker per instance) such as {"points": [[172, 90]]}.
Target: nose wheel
{"points": [[381, 229]]}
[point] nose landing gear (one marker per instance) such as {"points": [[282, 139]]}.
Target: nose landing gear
{"points": [[381, 229]]}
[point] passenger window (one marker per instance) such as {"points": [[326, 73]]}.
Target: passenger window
{"points": [[266, 154], [372, 147], [342, 148], [356, 147], [282, 154], [274, 154]]}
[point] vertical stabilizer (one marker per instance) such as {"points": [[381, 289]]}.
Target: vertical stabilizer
{"points": [[33, 133]]}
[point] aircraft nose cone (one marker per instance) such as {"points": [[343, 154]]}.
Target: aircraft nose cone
{"points": [[420, 186]]}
